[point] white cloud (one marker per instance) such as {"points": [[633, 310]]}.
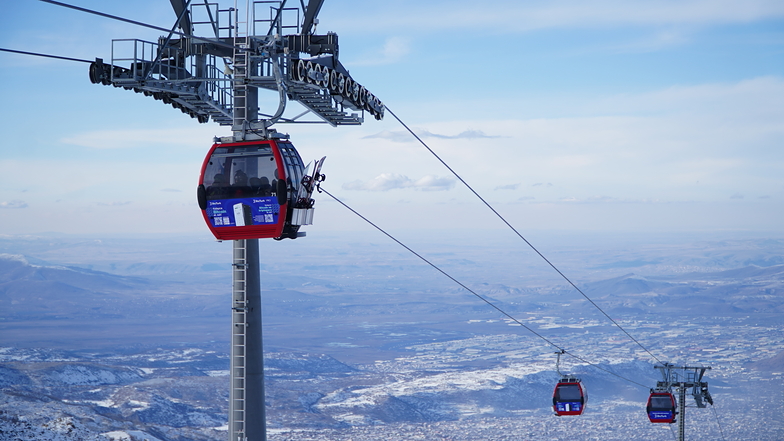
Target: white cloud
{"points": [[681, 143], [395, 48], [391, 181], [404, 136], [393, 51], [394, 136], [13, 204], [434, 183], [383, 182], [750, 99], [604, 199], [656, 41]]}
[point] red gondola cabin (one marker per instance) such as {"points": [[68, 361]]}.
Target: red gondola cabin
{"points": [[569, 397], [250, 190], [661, 407]]}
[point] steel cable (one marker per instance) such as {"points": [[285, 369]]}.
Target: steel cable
{"points": [[45, 55], [716, 415], [434, 266], [138, 23], [519, 235]]}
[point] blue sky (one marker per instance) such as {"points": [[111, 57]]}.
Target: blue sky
{"points": [[608, 115]]}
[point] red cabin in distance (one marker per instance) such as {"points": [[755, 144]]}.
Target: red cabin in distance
{"points": [[569, 397], [661, 407], [247, 190]]}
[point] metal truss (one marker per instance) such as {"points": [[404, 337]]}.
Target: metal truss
{"points": [[684, 378], [269, 46]]}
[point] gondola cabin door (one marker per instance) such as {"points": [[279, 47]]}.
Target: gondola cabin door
{"points": [[246, 189]]}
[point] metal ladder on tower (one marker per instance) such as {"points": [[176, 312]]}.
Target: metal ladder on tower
{"points": [[240, 62], [237, 393]]}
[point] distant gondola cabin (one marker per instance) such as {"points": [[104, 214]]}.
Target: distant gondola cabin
{"points": [[569, 397], [247, 190], [661, 407]]}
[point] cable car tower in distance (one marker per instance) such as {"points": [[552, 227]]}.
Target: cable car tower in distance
{"points": [[211, 65], [661, 403]]}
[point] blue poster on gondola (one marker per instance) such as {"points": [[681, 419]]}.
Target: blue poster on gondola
{"points": [[242, 212], [660, 415], [567, 406]]}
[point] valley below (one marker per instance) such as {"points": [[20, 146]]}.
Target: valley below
{"points": [[364, 343]]}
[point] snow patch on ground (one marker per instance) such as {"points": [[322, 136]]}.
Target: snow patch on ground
{"points": [[15, 258], [103, 403], [90, 375], [138, 405], [130, 435]]}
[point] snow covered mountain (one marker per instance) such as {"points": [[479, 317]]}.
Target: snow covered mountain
{"points": [[88, 354]]}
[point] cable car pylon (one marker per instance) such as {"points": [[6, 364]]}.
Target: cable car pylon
{"points": [[253, 184], [247, 412], [661, 402]]}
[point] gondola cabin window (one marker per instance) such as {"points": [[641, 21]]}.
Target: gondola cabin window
{"points": [[239, 183], [244, 188], [569, 392]]}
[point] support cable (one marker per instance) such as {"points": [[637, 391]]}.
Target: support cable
{"points": [[167, 40], [672, 431], [275, 21], [718, 421], [45, 55], [138, 23], [520, 235], [561, 350]]}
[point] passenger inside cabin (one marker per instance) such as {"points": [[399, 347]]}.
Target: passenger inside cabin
{"points": [[240, 188], [265, 189], [240, 179], [254, 184], [218, 187]]}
